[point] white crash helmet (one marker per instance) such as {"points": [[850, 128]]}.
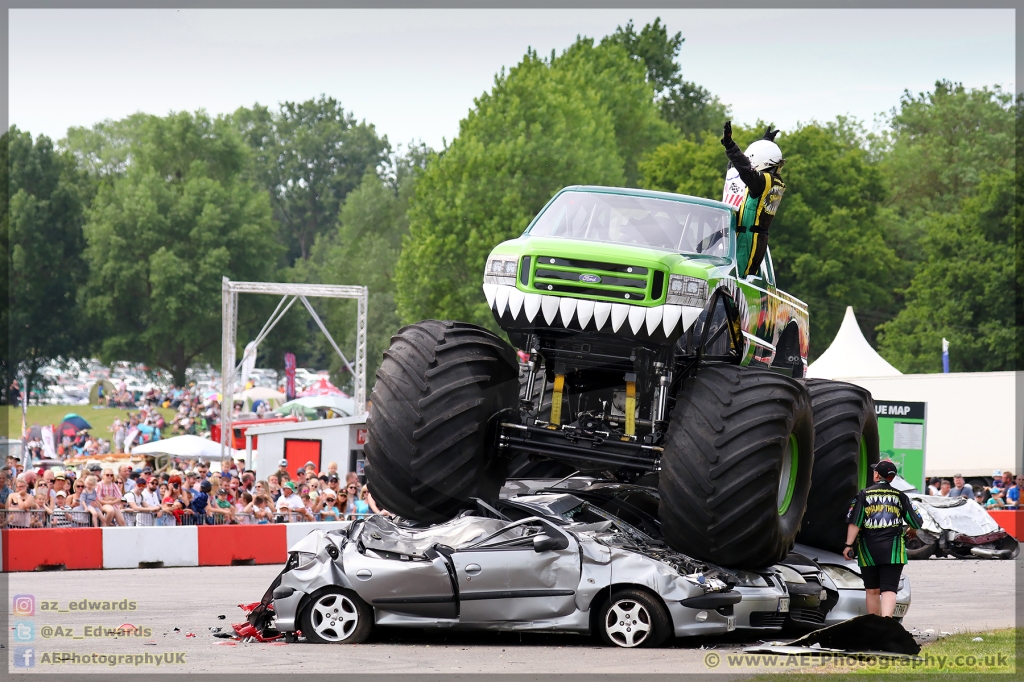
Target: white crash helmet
{"points": [[764, 154]]}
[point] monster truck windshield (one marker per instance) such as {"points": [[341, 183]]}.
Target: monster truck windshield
{"points": [[643, 221]]}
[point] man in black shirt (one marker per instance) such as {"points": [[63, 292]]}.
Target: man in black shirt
{"points": [[876, 519]]}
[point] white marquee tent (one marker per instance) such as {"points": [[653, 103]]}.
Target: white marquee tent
{"points": [[972, 424], [850, 355]]}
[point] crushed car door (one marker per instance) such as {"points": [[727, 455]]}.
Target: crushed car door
{"points": [[527, 571], [398, 576]]}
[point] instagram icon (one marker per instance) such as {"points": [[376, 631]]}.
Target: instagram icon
{"points": [[24, 605]]}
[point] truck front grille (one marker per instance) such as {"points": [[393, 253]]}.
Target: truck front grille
{"points": [[618, 281]]}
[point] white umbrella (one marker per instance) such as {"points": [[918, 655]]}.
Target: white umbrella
{"points": [[337, 403], [260, 393], [181, 446]]}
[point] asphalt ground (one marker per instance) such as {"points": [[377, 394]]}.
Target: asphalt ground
{"points": [[173, 603]]}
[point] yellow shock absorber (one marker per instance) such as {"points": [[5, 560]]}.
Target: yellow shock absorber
{"points": [[630, 408], [556, 399]]}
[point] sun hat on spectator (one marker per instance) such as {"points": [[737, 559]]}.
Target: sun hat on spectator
{"points": [[283, 463], [60, 477], [309, 464], [206, 486], [147, 470], [289, 484], [332, 478]]}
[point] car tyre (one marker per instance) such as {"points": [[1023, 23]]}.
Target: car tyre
{"points": [[633, 618], [845, 448], [736, 466], [921, 546], [353, 623], [430, 444]]}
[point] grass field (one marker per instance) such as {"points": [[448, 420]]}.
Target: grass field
{"points": [[954, 657], [100, 420]]}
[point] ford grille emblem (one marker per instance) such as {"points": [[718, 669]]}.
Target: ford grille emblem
{"points": [[590, 279]]}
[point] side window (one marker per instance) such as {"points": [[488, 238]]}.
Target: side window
{"points": [[767, 269]]}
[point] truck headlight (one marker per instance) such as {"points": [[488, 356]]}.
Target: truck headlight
{"points": [[844, 578], [750, 579], [684, 290], [501, 270]]}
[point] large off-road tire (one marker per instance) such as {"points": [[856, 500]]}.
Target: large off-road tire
{"points": [[736, 467], [430, 445], [845, 447]]}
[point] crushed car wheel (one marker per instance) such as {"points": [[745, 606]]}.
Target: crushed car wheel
{"points": [[845, 448], [631, 618], [736, 467], [336, 616], [429, 445], [922, 546]]}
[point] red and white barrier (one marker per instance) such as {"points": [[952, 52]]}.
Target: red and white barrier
{"points": [[1010, 520], [29, 549], [127, 547]]}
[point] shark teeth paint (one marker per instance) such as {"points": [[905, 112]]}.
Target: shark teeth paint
{"points": [[579, 314]]}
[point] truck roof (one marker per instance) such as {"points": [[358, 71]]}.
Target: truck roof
{"points": [[653, 194]]}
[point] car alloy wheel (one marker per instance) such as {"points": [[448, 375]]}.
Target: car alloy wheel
{"points": [[334, 617], [627, 623]]}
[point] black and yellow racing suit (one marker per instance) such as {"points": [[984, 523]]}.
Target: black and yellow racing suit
{"points": [[880, 511], [760, 204]]}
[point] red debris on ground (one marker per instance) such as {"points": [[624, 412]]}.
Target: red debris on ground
{"points": [[245, 630]]}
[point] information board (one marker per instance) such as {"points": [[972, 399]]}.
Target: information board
{"points": [[901, 438]]}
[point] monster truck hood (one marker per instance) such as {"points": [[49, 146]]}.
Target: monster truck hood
{"points": [[693, 265], [624, 290]]}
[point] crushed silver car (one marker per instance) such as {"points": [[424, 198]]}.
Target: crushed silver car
{"points": [[841, 579], [486, 571], [956, 527]]}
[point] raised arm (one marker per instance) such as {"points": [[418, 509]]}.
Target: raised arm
{"points": [[751, 178]]}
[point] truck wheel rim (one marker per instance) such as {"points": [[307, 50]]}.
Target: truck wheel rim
{"points": [[334, 617], [862, 466], [787, 477], [627, 623]]}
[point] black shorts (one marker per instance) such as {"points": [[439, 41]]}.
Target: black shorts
{"points": [[885, 578]]}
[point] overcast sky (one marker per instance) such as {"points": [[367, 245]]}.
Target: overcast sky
{"points": [[415, 73]]}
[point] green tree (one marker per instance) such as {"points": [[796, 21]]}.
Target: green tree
{"points": [[828, 241], [309, 156], [585, 117], [939, 145], [692, 109], [364, 250], [965, 290], [42, 223], [162, 234]]}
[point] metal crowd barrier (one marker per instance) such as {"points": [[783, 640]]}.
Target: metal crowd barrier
{"points": [[78, 518]]}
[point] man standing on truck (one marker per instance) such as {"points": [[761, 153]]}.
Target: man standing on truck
{"points": [[875, 529], [753, 185]]}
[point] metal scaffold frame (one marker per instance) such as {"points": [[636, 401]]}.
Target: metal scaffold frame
{"points": [[300, 292]]}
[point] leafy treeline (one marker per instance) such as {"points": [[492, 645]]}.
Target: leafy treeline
{"points": [[119, 236]]}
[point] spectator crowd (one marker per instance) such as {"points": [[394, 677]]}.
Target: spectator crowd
{"points": [[189, 495], [1002, 493]]}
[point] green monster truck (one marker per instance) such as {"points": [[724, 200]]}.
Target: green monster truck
{"points": [[648, 360]]}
